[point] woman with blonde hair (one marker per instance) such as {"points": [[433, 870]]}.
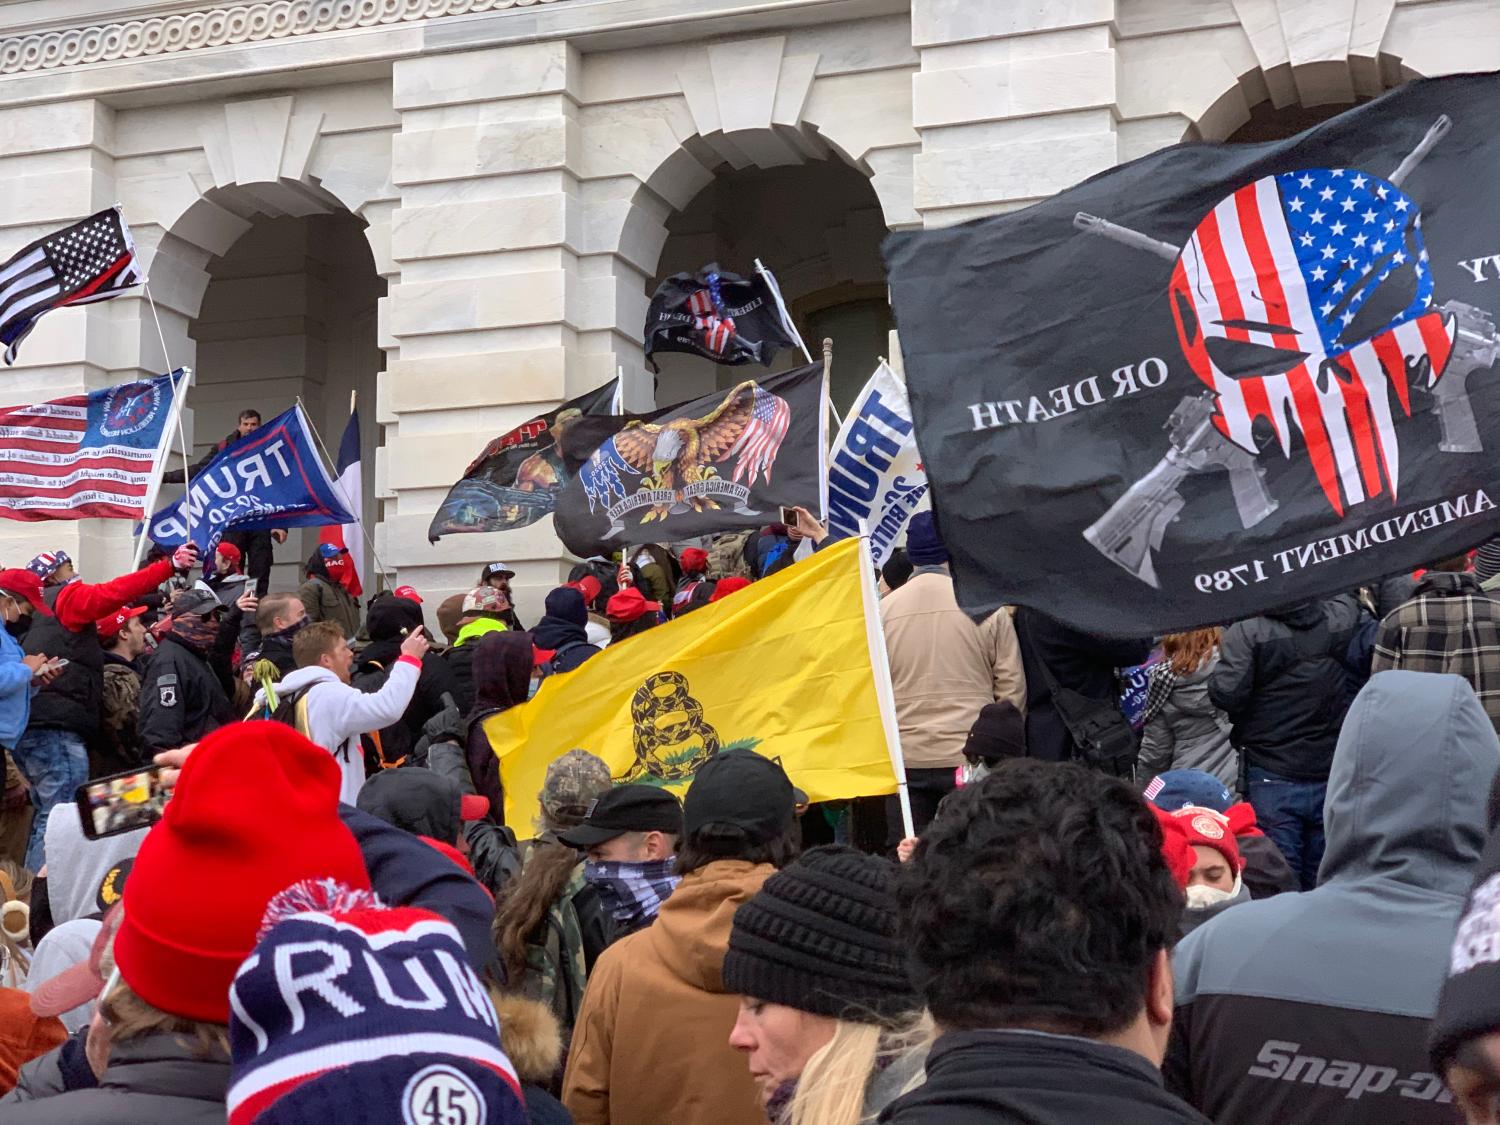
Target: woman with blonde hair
{"points": [[832, 1028], [1184, 730]]}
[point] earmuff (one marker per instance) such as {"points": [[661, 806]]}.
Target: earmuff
{"points": [[15, 915]]}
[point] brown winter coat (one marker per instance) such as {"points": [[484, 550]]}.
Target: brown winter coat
{"points": [[944, 668], [651, 1044]]}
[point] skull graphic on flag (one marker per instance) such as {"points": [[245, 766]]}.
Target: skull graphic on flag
{"points": [[1305, 299]]}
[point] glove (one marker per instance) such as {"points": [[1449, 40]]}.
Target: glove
{"points": [[447, 725], [185, 557]]}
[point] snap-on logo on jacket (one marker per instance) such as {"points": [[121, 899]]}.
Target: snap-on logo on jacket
{"points": [[1279, 1059]]}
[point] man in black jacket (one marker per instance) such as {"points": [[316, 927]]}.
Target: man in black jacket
{"points": [[1040, 913], [182, 698], [1283, 679], [1081, 661], [268, 635], [390, 620]]}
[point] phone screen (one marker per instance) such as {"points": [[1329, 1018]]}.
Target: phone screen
{"points": [[789, 516], [122, 802]]}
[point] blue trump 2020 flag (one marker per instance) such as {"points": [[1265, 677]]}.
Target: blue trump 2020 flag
{"points": [[273, 478]]}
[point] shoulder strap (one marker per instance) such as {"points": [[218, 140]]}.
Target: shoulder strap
{"points": [[1037, 652]]}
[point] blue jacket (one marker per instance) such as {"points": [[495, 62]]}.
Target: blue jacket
{"points": [[15, 690]]}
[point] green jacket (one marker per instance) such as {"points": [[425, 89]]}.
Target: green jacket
{"points": [[325, 601]]}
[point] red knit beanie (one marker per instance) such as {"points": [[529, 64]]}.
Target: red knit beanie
{"points": [[255, 810]]}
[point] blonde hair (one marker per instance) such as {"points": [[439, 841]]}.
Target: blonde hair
{"points": [[130, 1017], [831, 1089], [1185, 653]]}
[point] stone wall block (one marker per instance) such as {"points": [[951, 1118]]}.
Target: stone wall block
{"points": [[486, 75]]}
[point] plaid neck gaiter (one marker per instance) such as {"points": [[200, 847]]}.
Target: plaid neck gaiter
{"points": [[632, 892]]}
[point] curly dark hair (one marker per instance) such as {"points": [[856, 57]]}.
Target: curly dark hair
{"points": [[1039, 898]]}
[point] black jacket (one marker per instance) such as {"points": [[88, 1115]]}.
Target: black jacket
{"points": [[277, 648], [1077, 660], [181, 697], [1284, 683], [1016, 1077], [427, 700], [492, 847], [72, 701]]}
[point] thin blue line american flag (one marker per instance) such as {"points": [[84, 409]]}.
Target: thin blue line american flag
{"points": [[92, 260], [762, 438]]}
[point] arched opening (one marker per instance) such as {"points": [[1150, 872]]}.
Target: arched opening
{"points": [[1269, 122], [289, 312], [817, 226]]}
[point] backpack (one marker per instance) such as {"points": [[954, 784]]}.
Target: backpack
{"points": [[726, 556], [290, 709], [556, 972], [390, 746], [551, 668]]}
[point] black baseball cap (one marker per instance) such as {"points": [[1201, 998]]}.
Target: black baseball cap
{"points": [[626, 808], [745, 789]]}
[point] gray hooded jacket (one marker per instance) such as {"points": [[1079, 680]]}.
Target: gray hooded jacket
{"points": [[1314, 1007], [1190, 733]]}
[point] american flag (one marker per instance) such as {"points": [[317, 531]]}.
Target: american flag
{"points": [[88, 261], [84, 456], [1305, 299], [758, 445]]}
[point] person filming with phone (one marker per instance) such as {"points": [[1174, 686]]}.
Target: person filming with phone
{"points": [[53, 753]]}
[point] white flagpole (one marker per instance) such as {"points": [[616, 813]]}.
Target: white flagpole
{"points": [[885, 694], [174, 418], [187, 460], [823, 430], [617, 403], [786, 317], [339, 488]]}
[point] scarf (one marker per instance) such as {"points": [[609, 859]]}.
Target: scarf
{"points": [[199, 632], [632, 892]]}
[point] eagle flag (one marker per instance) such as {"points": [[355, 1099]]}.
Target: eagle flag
{"points": [[271, 478], [729, 319], [1226, 377], [731, 459], [516, 477], [660, 705]]}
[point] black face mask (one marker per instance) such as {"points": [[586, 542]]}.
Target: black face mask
{"points": [[18, 627], [41, 910]]}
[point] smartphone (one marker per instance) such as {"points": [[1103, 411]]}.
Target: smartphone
{"points": [[56, 664], [789, 516], [122, 802]]}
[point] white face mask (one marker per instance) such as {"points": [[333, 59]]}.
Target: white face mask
{"points": [[1201, 896]]}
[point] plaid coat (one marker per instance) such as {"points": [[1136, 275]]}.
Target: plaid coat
{"points": [[1450, 625]]}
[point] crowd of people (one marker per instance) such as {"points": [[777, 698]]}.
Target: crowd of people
{"points": [[1265, 893]]}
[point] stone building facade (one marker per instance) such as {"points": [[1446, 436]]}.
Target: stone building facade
{"points": [[459, 207]]}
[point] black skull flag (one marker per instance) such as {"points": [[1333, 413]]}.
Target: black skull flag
{"points": [[1221, 378], [731, 459], [720, 316]]}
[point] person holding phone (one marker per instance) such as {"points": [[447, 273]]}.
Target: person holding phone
{"points": [[19, 674], [53, 753]]}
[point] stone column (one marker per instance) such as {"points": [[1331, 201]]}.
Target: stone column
{"points": [[481, 326], [1013, 102]]}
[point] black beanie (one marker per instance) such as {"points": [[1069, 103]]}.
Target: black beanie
{"points": [[1469, 1004], [998, 732], [820, 936]]}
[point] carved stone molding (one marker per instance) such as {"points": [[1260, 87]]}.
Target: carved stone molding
{"points": [[219, 27]]}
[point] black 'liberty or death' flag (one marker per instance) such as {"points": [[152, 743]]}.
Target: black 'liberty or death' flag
{"points": [[1221, 378]]}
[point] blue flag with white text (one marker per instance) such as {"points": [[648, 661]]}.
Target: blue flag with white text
{"points": [[273, 478]]}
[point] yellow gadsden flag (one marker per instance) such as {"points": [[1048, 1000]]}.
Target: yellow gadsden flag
{"points": [[790, 667]]}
